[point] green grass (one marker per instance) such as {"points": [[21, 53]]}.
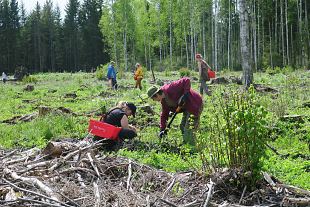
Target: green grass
{"points": [[172, 156]]}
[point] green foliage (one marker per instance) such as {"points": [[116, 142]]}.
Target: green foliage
{"points": [[101, 71], [273, 71], [29, 79], [226, 122], [237, 132], [184, 72]]}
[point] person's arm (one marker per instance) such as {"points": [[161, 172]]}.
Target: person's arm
{"points": [[164, 117], [124, 122]]}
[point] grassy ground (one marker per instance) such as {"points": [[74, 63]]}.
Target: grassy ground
{"points": [[290, 139]]}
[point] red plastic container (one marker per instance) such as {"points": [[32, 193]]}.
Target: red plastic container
{"points": [[103, 130], [211, 73]]}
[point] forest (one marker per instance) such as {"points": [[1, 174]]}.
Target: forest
{"points": [[161, 34]]}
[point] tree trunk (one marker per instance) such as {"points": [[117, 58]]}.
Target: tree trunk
{"points": [[276, 29], [229, 35], [216, 33], [244, 43], [204, 34], [114, 32], [170, 27], [254, 36], [287, 32], [270, 46], [282, 34]]}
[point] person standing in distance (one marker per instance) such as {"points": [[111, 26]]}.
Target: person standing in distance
{"points": [[203, 74], [138, 75], [111, 75]]}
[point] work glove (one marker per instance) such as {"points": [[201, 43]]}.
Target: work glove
{"points": [[162, 133]]}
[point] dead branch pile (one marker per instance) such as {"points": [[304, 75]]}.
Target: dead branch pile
{"points": [[77, 174]]}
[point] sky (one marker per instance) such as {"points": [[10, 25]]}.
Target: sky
{"points": [[30, 5]]}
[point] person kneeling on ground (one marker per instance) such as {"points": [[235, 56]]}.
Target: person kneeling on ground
{"points": [[177, 97], [118, 116]]}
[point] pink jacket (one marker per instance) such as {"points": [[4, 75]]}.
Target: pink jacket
{"points": [[174, 91]]}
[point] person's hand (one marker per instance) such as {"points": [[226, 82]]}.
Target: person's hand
{"points": [[179, 109], [162, 133]]}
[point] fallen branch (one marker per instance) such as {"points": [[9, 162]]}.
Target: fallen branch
{"points": [[97, 194], [68, 156], [36, 201], [33, 181], [287, 201], [190, 204], [93, 164], [129, 177], [210, 193], [168, 202], [295, 189], [34, 193], [244, 189], [169, 187]]}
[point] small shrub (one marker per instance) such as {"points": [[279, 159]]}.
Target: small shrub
{"points": [[101, 71], [184, 72], [287, 69], [272, 71], [29, 79], [238, 133]]}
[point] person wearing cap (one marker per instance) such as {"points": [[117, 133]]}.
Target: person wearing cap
{"points": [[118, 116], [177, 97], [111, 75], [138, 76], [203, 74]]}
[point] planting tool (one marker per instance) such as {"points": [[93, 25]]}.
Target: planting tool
{"points": [[164, 132], [171, 120]]}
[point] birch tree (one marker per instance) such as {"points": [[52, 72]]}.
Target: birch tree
{"points": [[244, 43]]}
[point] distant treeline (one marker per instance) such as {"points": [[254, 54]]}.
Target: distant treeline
{"points": [[161, 34]]}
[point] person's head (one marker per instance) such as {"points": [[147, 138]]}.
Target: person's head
{"points": [[112, 63], [198, 57], [137, 65], [128, 107], [155, 93]]}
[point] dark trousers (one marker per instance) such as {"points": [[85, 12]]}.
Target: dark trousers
{"points": [[112, 145]]}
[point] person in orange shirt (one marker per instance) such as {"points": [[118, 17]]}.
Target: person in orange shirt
{"points": [[138, 75]]}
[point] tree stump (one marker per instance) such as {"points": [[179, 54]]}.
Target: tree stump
{"points": [[220, 80], [70, 95], [44, 110], [29, 88]]}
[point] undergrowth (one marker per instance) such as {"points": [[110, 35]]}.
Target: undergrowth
{"points": [[228, 122]]}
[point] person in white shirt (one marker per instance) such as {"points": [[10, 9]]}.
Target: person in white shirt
{"points": [[4, 77]]}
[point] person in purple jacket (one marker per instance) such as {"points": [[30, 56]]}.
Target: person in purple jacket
{"points": [[177, 97]]}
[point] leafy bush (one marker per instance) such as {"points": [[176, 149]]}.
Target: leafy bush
{"points": [[237, 133], [184, 72], [101, 71], [29, 79], [272, 71]]}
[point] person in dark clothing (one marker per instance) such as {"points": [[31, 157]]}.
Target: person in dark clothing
{"points": [[118, 116], [203, 74]]}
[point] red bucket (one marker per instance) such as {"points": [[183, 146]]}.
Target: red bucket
{"points": [[103, 130], [211, 73]]}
